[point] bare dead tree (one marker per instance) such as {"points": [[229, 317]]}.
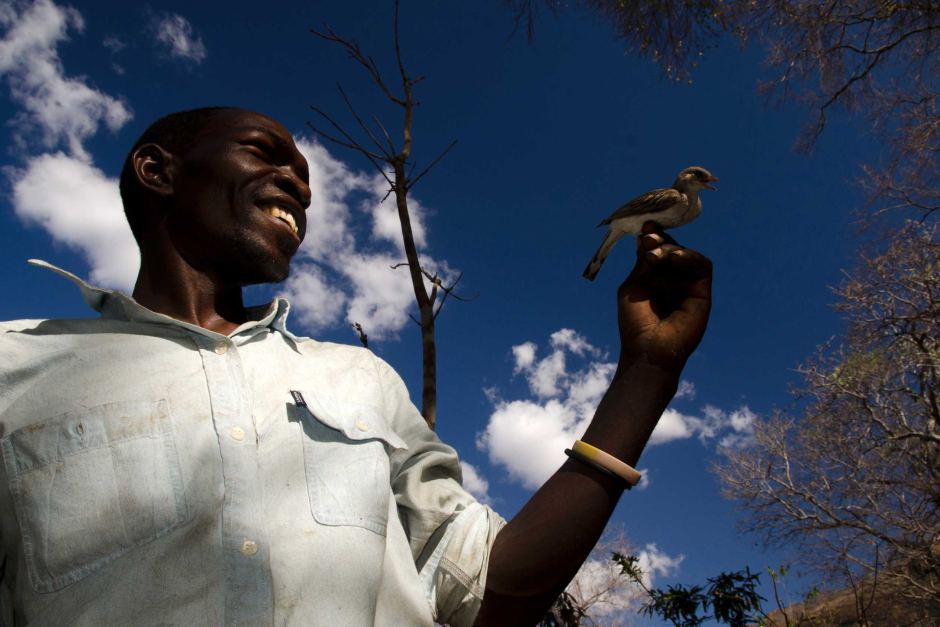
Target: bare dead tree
{"points": [[395, 164], [876, 58], [855, 480]]}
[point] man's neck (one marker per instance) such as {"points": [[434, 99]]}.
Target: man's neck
{"points": [[184, 293]]}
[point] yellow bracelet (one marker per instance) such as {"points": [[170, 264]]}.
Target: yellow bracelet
{"points": [[608, 461]]}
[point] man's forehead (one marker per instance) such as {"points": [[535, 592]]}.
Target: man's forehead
{"points": [[231, 121]]}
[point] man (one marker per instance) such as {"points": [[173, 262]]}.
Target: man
{"points": [[186, 460]]}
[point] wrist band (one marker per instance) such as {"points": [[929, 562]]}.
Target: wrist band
{"points": [[607, 461], [587, 462]]}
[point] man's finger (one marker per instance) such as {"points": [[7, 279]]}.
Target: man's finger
{"points": [[649, 241], [688, 261], [662, 252], [651, 227]]}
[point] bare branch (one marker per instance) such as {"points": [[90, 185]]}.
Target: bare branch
{"points": [[401, 65], [414, 181], [385, 154], [350, 143], [354, 52], [388, 139]]}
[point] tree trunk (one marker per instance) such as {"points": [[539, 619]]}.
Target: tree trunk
{"points": [[425, 302]]}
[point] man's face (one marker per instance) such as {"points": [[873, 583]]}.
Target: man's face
{"points": [[241, 194]]}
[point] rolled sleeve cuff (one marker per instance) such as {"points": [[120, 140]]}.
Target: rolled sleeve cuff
{"points": [[454, 576]]}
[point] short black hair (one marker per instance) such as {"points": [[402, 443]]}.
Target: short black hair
{"points": [[174, 133]]}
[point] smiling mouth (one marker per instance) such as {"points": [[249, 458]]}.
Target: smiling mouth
{"points": [[282, 216]]}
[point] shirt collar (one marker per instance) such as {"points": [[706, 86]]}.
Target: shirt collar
{"points": [[116, 305]]}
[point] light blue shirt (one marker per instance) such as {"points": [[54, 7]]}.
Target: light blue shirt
{"points": [[157, 473]]}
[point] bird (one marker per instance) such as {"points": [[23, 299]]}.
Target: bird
{"points": [[670, 207]]}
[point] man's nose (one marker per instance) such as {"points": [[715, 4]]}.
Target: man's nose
{"points": [[294, 184]]}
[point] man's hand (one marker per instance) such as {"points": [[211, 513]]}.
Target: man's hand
{"points": [[663, 305]]}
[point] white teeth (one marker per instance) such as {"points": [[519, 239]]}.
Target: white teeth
{"points": [[277, 212]]}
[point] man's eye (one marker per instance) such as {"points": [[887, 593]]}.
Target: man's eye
{"points": [[258, 151]]}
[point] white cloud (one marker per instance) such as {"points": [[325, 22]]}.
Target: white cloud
{"points": [[549, 376], [318, 304], [587, 386], [81, 207], [741, 421], [655, 563], [529, 439], [475, 484], [524, 356], [60, 108], [328, 218], [686, 390], [64, 193], [177, 36], [356, 270], [381, 296], [644, 479], [571, 340], [735, 427], [113, 43], [673, 426], [528, 436]]}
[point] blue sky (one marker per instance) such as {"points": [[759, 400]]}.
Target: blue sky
{"points": [[552, 137]]}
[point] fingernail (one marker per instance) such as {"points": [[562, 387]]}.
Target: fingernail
{"points": [[653, 237], [656, 252]]}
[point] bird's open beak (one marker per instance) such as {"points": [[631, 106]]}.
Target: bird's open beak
{"points": [[713, 179]]}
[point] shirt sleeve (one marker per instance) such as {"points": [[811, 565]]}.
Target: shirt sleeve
{"points": [[450, 533]]}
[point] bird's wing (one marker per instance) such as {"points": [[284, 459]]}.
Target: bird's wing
{"points": [[650, 202]]}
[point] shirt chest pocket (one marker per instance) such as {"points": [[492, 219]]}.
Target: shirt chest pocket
{"points": [[90, 485], [347, 465]]}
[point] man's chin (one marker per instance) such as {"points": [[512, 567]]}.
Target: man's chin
{"points": [[266, 263], [270, 273], [259, 270]]}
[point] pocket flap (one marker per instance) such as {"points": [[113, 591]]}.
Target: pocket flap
{"points": [[53, 440], [354, 420]]}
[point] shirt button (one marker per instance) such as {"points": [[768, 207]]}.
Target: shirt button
{"points": [[237, 434], [249, 547], [221, 348], [362, 426]]}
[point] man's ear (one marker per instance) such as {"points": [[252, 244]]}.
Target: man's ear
{"points": [[155, 169]]}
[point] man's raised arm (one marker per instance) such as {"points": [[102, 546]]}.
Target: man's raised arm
{"points": [[663, 309]]}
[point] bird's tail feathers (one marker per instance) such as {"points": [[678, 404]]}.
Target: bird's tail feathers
{"points": [[594, 266], [592, 269]]}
